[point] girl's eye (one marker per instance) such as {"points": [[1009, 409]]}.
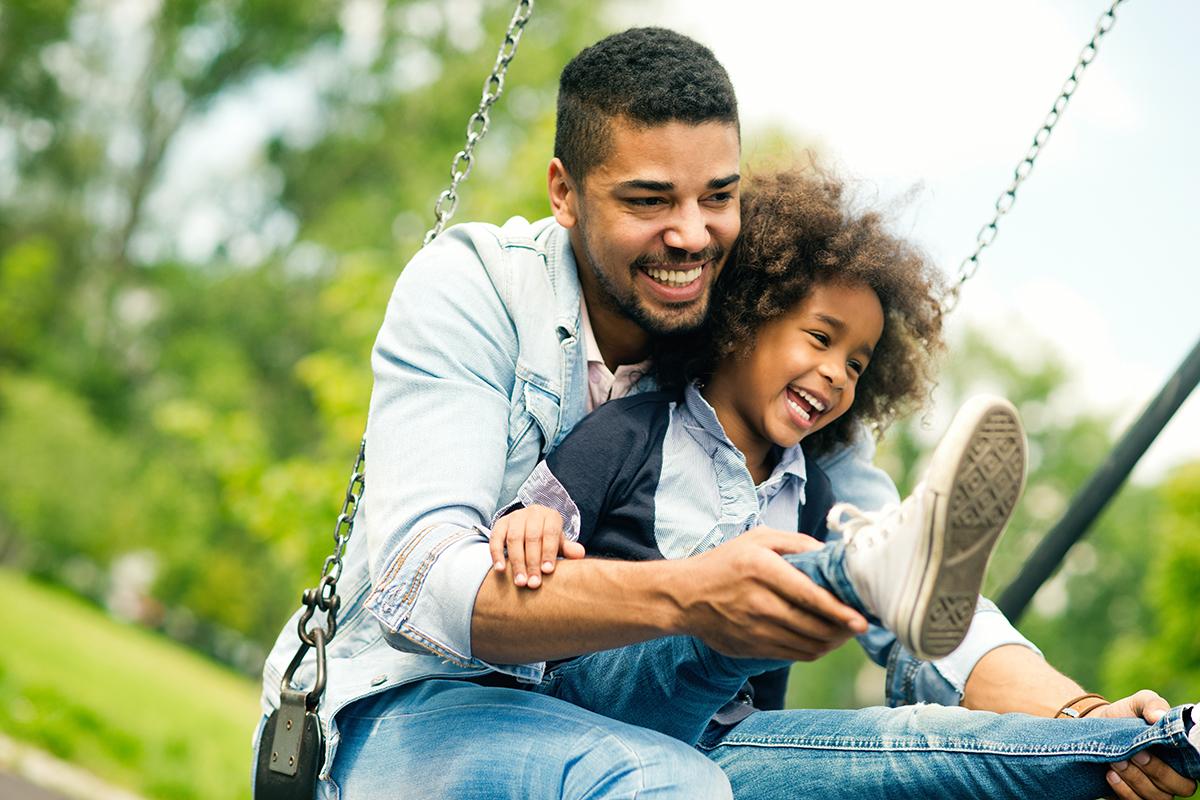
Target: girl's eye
{"points": [[855, 366], [821, 338]]}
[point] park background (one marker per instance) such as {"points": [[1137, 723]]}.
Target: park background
{"points": [[204, 205]]}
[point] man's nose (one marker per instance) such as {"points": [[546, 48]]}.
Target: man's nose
{"points": [[688, 230]]}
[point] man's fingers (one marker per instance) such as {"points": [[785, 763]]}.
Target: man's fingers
{"points": [[1165, 778], [1120, 789], [799, 590], [1152, 705], [784, 542], [1136, 780]]}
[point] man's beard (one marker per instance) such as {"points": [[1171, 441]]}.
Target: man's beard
{"points": [[690, 315]]}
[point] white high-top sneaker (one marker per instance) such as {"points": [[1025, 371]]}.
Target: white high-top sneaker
{"points": [[919, 567]]}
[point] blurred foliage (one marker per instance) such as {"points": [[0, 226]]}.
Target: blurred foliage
{"points": [[202, 402]]}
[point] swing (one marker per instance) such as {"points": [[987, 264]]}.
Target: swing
{"points": [[290, 744]]}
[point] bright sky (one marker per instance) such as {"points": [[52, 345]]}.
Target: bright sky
{"points": [[1097, 258]]}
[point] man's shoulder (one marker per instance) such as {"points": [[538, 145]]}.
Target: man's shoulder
{"points": [[517, 233], [516, 260]]}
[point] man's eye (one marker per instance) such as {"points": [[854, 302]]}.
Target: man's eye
{"points": [[645, 202], [721, 197]]}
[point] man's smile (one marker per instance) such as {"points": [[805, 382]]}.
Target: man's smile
{"points": [[674, 283]]}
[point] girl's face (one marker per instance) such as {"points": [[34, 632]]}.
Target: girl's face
{"points": [[802, 370]]}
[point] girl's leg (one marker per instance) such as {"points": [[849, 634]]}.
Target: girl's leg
{"points": [[936, 751]]}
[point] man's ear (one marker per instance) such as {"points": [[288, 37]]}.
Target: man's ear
{"points": [[564, 194]]}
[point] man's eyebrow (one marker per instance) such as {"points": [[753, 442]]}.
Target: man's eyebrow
{"points": [[668, 186], [648, 186]]}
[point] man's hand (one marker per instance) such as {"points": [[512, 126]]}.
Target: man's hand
{"points": [[1144, 776], [743, 600]]}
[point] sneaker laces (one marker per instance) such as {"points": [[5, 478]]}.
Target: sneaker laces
{"points": [[865, 528], [870, 527]]}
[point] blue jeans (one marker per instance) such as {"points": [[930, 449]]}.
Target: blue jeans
{"points": [[675, 685], [445, 738]]}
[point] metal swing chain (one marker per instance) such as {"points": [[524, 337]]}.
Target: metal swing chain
{"points": [[477, 125], [324, 595], [1004, 203]]}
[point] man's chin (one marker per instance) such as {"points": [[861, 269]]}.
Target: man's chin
{"points": [[672, 322]]}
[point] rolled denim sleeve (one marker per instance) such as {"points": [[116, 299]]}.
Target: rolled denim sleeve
{"points": [[437, 436], [855, 479], [989, 629]]}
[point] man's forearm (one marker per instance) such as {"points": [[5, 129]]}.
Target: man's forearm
{"points": [[739, 598], [582, 607], [1015, 678]]}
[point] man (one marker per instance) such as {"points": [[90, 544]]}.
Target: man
{"points": [[495, 344]]}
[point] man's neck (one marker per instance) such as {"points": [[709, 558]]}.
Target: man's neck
{"points": [[620, 339]]}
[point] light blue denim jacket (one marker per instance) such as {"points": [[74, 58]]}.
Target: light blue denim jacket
{"points": [[480, 370]]}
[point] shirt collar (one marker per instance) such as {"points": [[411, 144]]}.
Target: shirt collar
{"points": [[590, 348], [707, 426]]}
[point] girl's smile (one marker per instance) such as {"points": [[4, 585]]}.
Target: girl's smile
{"points": [[800, 373]]}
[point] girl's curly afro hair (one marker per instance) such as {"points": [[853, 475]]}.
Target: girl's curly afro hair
{"points": [[799, 231]]}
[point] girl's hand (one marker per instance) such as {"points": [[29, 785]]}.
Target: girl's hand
{"points": [[532, 538]]}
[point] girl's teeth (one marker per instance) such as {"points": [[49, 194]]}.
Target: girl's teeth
{"points": [[817, 404], [796, 407]]}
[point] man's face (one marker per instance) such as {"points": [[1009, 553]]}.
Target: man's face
{"points": [[653, 224]]}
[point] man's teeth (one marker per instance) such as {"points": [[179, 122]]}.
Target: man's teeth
{"points": [[817, 404], [675, 277]]}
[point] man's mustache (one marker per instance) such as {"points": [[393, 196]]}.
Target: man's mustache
{"points": [[713, 252]]}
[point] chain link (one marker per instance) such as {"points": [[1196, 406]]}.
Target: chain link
{"points": [[1004, 203], [477, 126], [324, 595]]}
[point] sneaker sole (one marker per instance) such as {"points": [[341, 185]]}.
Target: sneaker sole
{"points": [[976, 477]]}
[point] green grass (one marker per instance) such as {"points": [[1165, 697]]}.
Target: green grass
{"points": [[123, 703]]}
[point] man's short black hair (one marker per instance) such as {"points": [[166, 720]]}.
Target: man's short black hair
{"points": [[648, 76]]}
